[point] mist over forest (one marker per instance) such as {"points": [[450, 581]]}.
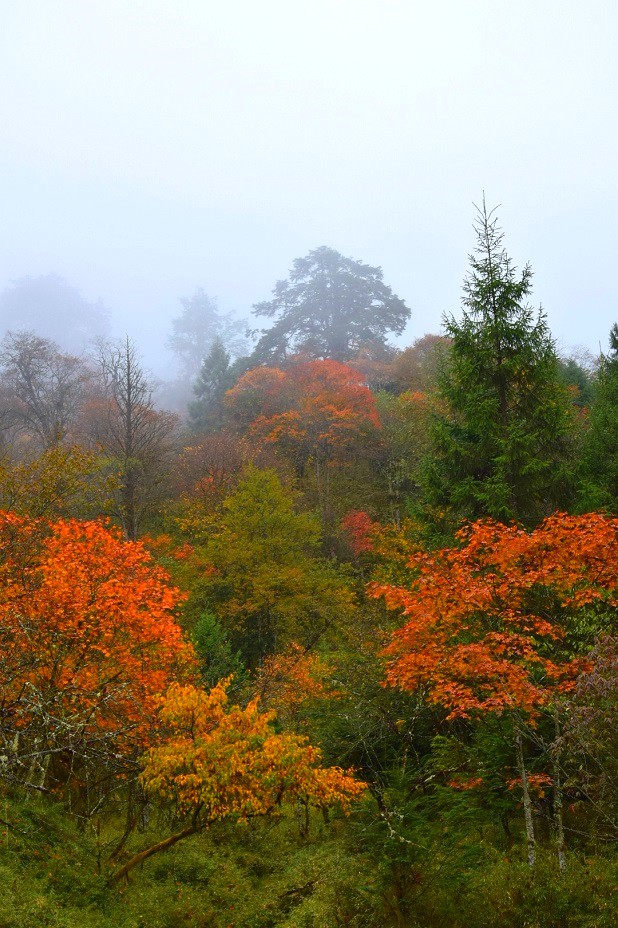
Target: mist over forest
{"points": [[308, 464]]}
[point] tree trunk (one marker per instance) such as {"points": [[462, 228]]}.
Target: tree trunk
{"points": [[558, 820], [530, 839], [130, 823], [154, 849]]}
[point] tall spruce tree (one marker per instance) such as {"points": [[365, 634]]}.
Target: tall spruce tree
{"points": [[215, 377], [501, 449]]}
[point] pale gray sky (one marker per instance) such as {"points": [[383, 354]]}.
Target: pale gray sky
{"points": [[152, 146]]}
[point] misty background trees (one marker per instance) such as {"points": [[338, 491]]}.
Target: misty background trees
{"points": [[475, 421], [197, 328], [42, 389], [53, 309], [329, 307]]}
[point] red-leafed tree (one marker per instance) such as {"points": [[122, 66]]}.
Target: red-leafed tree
{"points": [[87, 641], [486, 621], [262, 391], [359, 529], [317, 411], [490, 626]]}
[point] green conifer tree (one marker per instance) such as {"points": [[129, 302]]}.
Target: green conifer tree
{"points": [[215, 377], [501, 449]]}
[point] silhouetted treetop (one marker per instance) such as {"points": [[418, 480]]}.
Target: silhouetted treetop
{"points": [[198, 327], [329, 307]]}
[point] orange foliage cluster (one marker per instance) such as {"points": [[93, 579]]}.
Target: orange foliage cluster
{"points": [[469, 783], [479, 617], [87, 634], [537, 783], [288, 680], [222, 761], [319, 406]]}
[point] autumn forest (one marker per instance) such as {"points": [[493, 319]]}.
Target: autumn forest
{"points": [[321, 634]]}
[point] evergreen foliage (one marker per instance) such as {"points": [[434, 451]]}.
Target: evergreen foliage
{"points": [[501, 450], [217, 660], [215, 377]]}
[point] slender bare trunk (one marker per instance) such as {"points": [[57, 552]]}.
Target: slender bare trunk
{"points": [[558, 819], [530, 839], [153, 849], [39, 765]]}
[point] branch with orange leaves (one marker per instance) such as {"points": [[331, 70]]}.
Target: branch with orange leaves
{"points": [[486, 623]]}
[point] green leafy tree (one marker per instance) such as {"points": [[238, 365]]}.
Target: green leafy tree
{"points": [[598, 487], [62, 481], [267, 584], [501, 449], [330, 307]]}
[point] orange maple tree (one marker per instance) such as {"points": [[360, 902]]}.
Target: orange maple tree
{"points": [[316, 409], [289, 680], [88, 641], [227, 762], [488, 627], [485, 622]]}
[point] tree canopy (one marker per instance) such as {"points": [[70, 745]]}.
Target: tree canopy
{"points": [[267, 583], [329, 307], [500, 449], [476, 616], [87, 641], [318, 410]]}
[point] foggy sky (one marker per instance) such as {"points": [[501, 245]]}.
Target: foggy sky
{"points": [[152, 146]]}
